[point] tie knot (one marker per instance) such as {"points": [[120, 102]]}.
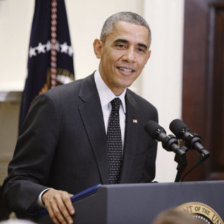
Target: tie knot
{"points": [[116, 102]]}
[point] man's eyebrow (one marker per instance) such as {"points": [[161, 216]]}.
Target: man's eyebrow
{"points": [[121, 40]]}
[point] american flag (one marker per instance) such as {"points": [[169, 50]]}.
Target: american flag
{"points": [[50, 55]]}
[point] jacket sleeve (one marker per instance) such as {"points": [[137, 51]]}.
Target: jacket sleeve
{"points": [[29, 169]]}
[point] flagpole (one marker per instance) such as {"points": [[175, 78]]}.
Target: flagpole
{"points": [[53, 42]]}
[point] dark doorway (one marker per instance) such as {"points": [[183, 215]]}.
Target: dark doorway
{"points": [[203, 82]]}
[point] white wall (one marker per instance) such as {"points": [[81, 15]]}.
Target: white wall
{"points": [[15, 23], [160, 83]]}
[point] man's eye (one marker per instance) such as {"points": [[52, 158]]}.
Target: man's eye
{"points": [[120, 45], [141, 49]]}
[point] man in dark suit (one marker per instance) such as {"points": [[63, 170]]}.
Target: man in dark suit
{"points": [[63, 146]]}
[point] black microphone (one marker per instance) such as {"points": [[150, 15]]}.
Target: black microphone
{"points": [[192, 141], [169, 142]]}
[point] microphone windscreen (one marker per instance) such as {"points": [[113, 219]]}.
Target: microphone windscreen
{"points": [[177, 126], [152, 128]]}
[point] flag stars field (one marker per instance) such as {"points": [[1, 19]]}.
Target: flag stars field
{"points": [[44, 48]]}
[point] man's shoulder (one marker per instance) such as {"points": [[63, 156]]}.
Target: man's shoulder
{"points": [[140, 101], [67, 90], [67, 94]]}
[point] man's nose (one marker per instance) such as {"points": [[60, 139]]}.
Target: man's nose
{"points": [[130, 55]]}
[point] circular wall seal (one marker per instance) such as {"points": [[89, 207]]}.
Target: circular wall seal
{"points": [[201, 211]]}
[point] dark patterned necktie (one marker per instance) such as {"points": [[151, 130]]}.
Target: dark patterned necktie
{"points": [[114, 143]]}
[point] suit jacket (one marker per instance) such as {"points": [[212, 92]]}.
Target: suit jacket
{"points": [[63, 145]]}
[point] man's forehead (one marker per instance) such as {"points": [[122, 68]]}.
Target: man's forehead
{"points": [[123, 24], [128, 32]]}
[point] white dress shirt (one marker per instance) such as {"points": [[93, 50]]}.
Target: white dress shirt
{"points": [[106, 96]]}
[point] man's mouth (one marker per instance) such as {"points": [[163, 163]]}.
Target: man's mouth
{"points": [[124, 69]]}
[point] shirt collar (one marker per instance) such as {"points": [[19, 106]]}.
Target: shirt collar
{"points": [[105, 93]]}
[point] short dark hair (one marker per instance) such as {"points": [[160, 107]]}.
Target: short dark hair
{"points": [[129, 17]]}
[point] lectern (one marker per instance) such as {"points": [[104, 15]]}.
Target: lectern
{"points": [[141, 203]]}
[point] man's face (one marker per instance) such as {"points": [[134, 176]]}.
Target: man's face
{"points": [[123, 55]]}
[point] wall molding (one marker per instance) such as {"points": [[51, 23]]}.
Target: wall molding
{"points": [[10, 96]]}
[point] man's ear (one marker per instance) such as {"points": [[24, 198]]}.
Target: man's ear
{"points": [[97, 46]]}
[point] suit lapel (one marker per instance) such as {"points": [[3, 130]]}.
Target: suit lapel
{"points": [[131, 137], [91, 114]]}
